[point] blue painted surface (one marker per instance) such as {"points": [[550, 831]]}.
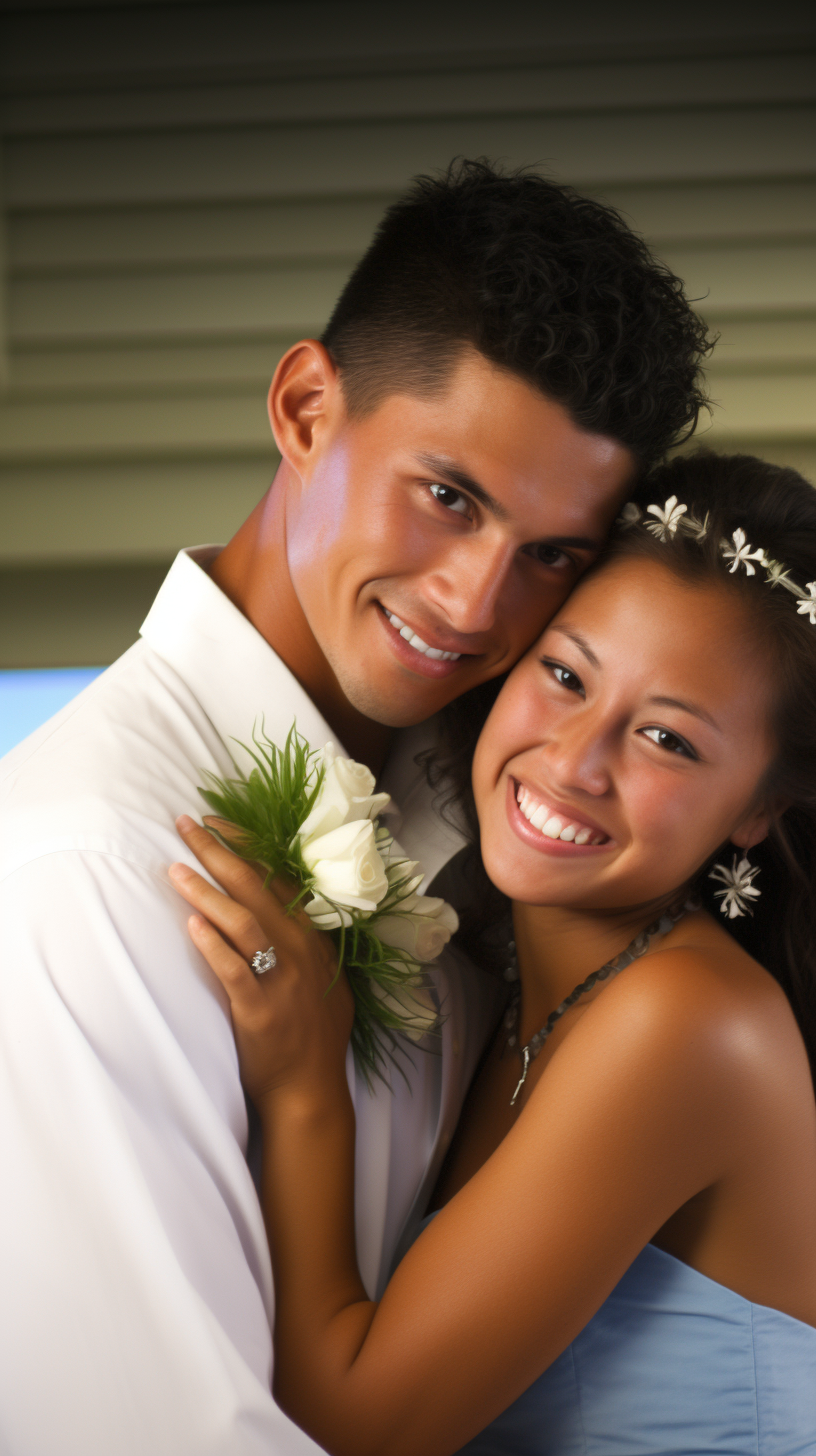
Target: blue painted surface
{"points": [[29, 696]]}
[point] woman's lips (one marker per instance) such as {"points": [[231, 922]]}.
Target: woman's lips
{"points": [[585, 839]]}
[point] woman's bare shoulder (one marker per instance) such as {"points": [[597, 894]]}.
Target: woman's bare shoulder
{"points": [[700, 1001]]}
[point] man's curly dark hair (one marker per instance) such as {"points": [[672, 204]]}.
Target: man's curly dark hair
{"points": [[543, 282]]}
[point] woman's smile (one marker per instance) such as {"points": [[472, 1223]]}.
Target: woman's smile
{"points": [[548, 826]]}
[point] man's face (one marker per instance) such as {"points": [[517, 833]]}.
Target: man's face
{"points": [[431, 541]]}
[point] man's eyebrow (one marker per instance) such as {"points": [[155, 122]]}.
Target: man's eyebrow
{"points": [[441, 465], [580, 642], [693, 708]]}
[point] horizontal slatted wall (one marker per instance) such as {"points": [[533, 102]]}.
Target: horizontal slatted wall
{"points": [[186, 187]]}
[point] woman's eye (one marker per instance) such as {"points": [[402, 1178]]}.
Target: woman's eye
{"points": [[452, 499], [565, 676], [670, 741]]}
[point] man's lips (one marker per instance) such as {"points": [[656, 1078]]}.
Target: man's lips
{"points": [[435, 659], [551, 829]]}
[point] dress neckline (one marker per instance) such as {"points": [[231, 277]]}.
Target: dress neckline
{"points": [[725, 1288]]}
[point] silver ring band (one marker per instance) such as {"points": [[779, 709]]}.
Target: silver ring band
{"points": [[263, 961]]}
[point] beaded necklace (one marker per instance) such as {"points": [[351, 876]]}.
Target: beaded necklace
{"points": [[635, 948]]}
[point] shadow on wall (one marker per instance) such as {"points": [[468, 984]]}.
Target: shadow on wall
{"points": [[46, 611]]}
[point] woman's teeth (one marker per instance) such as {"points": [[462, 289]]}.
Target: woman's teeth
{"points": [[555, 826], [415, 641]]}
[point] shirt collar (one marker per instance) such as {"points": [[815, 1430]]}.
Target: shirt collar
{"points": [[235, 675], [240, 682]]}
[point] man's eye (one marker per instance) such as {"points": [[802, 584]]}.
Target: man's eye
{"points": [[452, 499], [670, 741], [565, 676], [548, 555]]}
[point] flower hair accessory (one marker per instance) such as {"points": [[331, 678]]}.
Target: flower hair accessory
{"points": [[668, 518], [672, 519], [739, 886], [312, 817]]}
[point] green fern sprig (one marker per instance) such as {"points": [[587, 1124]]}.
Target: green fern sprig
{"points": [[269, 804]]}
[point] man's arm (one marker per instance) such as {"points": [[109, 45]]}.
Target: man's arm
{"points": [[136, 1287]]}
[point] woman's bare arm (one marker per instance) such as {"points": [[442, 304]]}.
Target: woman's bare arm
{"points": [[651, 1099]]}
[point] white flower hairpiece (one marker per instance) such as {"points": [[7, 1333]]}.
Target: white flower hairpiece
{"points": [[776, 574], [673, 518], [741, 554], [808, 604], [631, 515], [668, 519]]}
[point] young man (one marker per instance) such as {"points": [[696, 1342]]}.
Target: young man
{"points": [[501, 363]]}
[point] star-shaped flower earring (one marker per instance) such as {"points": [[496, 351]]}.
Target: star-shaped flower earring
{"points": [[739, 887]]}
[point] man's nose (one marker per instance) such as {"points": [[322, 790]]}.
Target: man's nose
{"points": [[468, 586]]}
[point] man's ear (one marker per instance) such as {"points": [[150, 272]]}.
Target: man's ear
{"points": [[304, 397]]}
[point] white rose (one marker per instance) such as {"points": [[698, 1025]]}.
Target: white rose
{"points": [[347, 866], [325, 916], [413, 1004], [422, 928], [346, 794]]}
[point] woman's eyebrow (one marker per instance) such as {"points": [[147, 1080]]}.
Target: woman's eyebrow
{"points": [[693, 708], [580, 642]]}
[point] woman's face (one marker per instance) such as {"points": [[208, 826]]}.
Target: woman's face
{"points": [[627, 745]]}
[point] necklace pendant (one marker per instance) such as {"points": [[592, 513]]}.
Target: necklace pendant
{"points": [[525, 1057]]}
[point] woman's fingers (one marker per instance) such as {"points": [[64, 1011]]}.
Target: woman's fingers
{"points": [[241, 879], [233, 919], [284, 889], [245, 994]]}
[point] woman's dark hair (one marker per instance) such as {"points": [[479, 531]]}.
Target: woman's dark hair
{"points": [[549, 285], [775, 508]]}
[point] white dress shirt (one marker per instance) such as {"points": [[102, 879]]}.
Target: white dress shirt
{"points": [[135, 1288]]}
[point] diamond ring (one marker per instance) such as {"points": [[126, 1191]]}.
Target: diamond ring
{"points": [[263, 961]]}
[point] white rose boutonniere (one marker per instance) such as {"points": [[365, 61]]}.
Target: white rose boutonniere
{"points": [[346, 794], [346, 865], [313, 817], [421, 925]]}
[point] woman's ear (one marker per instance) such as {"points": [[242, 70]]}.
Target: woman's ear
{"points": [[751, 832], [754, 828], [304, 397]]}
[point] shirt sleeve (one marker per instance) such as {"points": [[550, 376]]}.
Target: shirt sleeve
{"points": [[136, 1289]]}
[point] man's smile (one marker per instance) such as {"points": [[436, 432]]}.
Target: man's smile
{"points": [[414, 640], [431, 659]]}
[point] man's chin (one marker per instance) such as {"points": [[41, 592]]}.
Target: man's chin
{"points": [[381, 708]]}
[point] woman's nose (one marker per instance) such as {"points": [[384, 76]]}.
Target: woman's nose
{"points": [[578, 755]]}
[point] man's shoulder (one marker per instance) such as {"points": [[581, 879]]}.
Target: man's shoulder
{"points": [[120, 760]]}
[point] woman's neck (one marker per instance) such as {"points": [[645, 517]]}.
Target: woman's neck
{"points": [[557, 948]]}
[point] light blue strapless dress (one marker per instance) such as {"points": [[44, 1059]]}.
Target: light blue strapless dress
{"points": [[672, 1364]]}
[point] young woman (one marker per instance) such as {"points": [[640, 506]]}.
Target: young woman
{"points": [[621, 1256]]}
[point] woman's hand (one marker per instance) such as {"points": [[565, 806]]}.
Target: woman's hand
{"points": [[292, 1023]]}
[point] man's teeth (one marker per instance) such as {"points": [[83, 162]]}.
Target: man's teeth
{"points": [[415, 641], [555, 826]]}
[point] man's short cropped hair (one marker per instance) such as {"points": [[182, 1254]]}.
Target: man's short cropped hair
{"points": [[552, 286]]}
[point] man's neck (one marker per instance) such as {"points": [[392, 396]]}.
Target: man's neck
{"points": [[253, 572]]}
